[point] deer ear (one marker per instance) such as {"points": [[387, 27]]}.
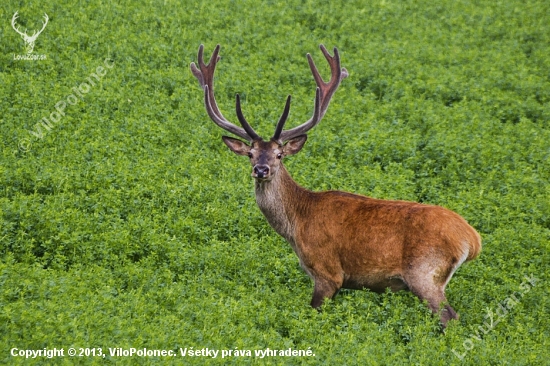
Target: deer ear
{"points": [[237, 146], [294, 145]]}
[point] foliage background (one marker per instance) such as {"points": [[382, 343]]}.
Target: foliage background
{"points": [[129, 224]]}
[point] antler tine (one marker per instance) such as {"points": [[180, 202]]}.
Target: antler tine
{"points": [[249, 130], [323, 94], [282, 120], [205, 75], [336, 77]]}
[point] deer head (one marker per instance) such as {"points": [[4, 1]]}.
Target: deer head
{"points": [[29, 40], [266, 156]]}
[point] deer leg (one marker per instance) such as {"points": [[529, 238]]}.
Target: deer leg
{"points": [[324, 288], [438, 305], [437, 302], [425, 287]]}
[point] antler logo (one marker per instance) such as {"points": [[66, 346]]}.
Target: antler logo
{"points": [[29, 40]]}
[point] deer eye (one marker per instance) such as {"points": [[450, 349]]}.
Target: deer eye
{"points": [[279, 156], [250, 155]]}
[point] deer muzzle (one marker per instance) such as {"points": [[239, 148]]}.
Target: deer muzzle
{"points": [[260, 171]]}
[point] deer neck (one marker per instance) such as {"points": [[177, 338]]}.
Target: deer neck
{"points": [[280, 200]]}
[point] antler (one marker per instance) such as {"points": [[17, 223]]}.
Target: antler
{"points": [[205, 75], [24, 34], [46, 18], [13, 20], [323, 95]]}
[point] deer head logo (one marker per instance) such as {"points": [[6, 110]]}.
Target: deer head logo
{"points": [[29, 40]]}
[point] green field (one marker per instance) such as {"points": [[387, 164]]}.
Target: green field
{"points": [[125, 222]]}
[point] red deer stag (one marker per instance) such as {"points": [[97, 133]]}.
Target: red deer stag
{"points": [[343, 239]]}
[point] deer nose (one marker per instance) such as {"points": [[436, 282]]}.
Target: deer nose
{"points": [[261, 171]]}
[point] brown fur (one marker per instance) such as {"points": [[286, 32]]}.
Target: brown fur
{"points": [[345, 240]]}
